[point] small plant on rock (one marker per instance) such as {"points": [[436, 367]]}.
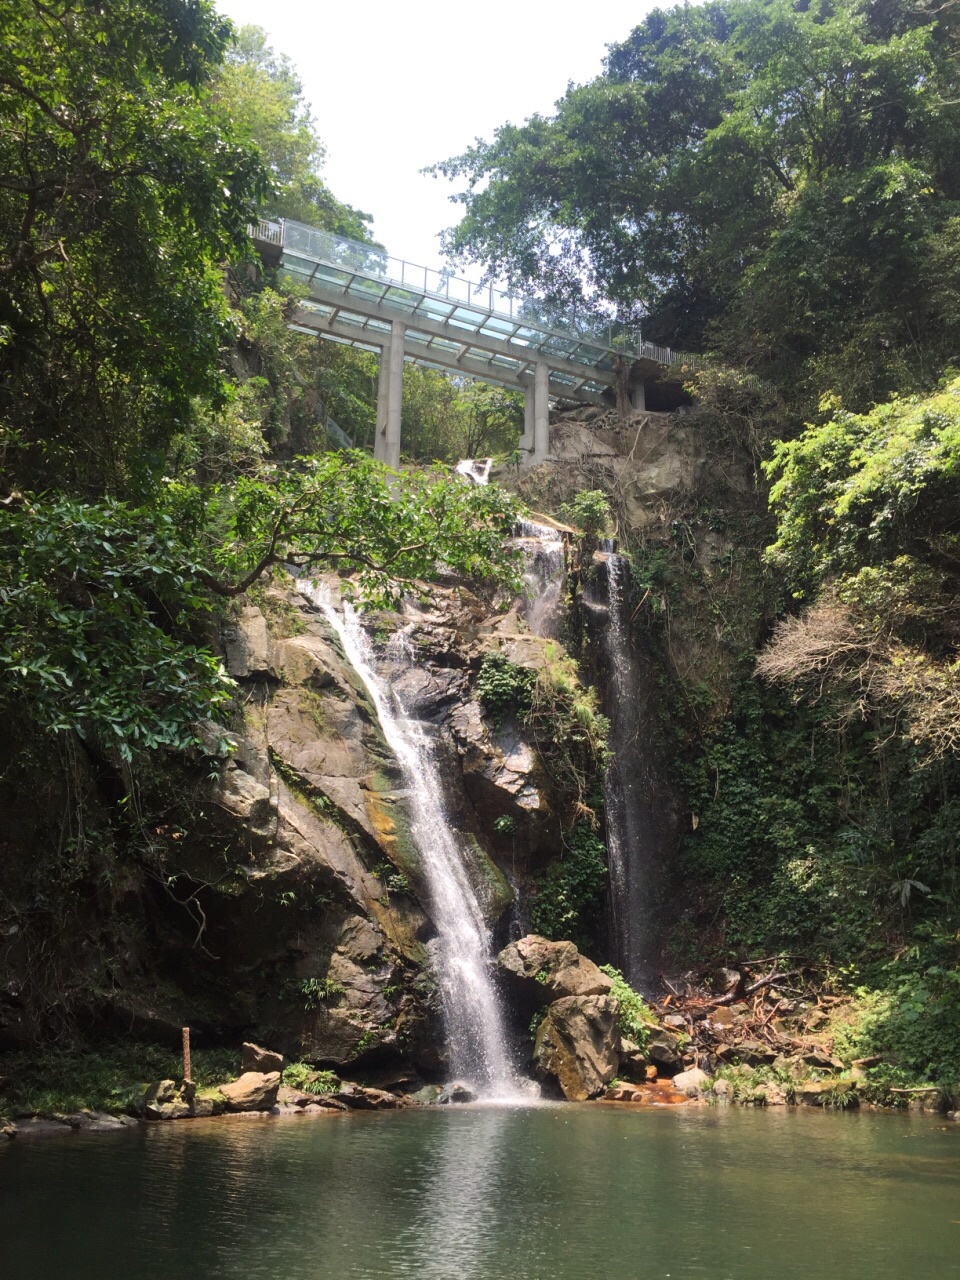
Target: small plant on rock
{"points": [[635, 1016]]}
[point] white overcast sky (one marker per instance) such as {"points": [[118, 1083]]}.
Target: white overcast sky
{"points": [[397, 86]]}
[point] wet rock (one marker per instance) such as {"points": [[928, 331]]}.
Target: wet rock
{"points": [[755, 1054], [457, 1092], [723, 1090], [359, 1099], [663, 1050], [623, 1093], [253, 1091], [288, 1097], [501, 772], [692, 1083], [826, 1093], [329, 1102], [249, 646], [254, 1058], [427, 1095], [40, 1127], [790, 1064], [212, 1104], [822, 1060], [541, 971], [162, 1101], [578, 1044], [769, 1095], [633, 1062], [720, 1018], [98, 1121]]}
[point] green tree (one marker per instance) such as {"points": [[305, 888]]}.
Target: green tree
{"points": [[120, 196], [259, 95], [867, 537], [104, 603], [768, 180]]}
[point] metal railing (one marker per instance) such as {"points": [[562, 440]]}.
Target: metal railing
{"points": [[372, 261]]}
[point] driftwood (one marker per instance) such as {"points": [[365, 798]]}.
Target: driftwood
{"points": [[732, 998]]}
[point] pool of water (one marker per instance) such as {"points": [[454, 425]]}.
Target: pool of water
{"points": [[546, 1193]]}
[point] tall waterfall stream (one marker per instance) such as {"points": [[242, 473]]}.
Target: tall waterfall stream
{"points": [[473, 1022], [629, 799]]}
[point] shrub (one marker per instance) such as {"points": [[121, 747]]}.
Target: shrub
{"points": [[503, 687], [635, 1017], [589, 511], [569, 892]]}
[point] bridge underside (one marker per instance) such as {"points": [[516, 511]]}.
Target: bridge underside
{"points": [[356, 295]]}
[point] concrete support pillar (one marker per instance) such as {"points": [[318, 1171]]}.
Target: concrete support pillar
{"points": [[541, 413], [380, 434], [394, 396], [638, 394], [526, 440]]}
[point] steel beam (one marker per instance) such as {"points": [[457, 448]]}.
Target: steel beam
{"points": [[332, 297], [438, 358]]}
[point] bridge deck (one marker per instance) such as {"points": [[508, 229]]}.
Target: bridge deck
{"points": [[355, 292]]}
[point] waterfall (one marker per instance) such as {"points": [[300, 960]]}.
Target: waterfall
{"points": [[630, 819], [476, 470], [544, 576], [473, 1022]]}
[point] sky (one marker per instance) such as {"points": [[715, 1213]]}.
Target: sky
{"points": [[396, 86]]}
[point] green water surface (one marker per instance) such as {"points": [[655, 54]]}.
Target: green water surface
{"points": [[549, 1193]]}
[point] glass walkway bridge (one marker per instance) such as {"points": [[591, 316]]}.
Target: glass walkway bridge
{"points": [[360, 295]]}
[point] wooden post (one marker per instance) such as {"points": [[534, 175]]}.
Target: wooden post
{"points": [[186, 1053]]}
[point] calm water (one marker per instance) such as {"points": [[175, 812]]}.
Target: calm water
{"points": [[475, 1194]]}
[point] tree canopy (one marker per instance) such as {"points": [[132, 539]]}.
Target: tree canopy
{"points": [[163, 437], [776, 182], [261, 99], [119, 196]]}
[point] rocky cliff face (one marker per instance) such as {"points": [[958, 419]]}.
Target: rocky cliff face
{"points": [[281, 894]]}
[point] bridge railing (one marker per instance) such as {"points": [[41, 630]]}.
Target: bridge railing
{"points": [[373, 261]]}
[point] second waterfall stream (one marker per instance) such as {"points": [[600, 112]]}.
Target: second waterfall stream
{"points": [[475, 1030]]}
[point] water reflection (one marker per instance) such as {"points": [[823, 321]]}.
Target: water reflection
{"points": [[458, 1226], [546, 1193]]}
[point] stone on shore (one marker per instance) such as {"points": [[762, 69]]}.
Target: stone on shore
{"points": [[457, 1092], [253, 1091], [578, 1044], [692, 1082], [256, 1059]]}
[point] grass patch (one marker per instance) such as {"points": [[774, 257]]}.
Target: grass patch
{"points": [[112, 1078]]}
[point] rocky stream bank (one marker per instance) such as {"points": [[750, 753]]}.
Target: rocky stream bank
{"points": [[747, 1046]]}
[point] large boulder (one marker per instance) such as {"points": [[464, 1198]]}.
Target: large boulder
{"points": [[663, 1051], [255, 1058], [578, 1044], [253, 1091], [539, 971], [692, 1082]]}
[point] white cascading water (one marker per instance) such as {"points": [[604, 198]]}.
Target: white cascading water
{"points": [[474, 1026], [544, 576], [475, 469], [615, 784]]}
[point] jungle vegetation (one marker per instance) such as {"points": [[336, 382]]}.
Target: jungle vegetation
{"points": [[776, 183]]}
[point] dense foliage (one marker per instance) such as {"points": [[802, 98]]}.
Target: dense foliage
{"points": [[146, 475], [776, 181], [570, 893], [777, 184], [119, 196]]}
